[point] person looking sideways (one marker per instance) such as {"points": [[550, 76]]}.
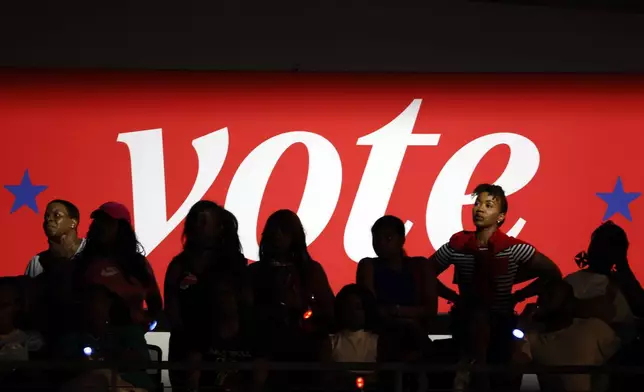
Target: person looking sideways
{"points": [[487, 264], [60, 225], [112, 258], [50, 291]]}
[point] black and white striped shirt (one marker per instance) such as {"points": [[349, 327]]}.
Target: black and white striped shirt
{"points": [[464, 264]]}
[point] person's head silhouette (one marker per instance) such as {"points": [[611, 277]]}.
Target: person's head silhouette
{"points": [[111, 228], [283, 239], [388, 237], [209, 226], [608, 248], [112, 237]]}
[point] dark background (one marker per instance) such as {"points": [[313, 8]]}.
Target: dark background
{"points": [[335, 35]]}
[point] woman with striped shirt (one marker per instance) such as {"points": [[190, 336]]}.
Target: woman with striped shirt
{"points": [[487, 264]]}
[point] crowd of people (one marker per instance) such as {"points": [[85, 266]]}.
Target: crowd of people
{"points": [[94, 298]]}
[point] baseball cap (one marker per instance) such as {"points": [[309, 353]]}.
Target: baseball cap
{"points": [[114, 210]]}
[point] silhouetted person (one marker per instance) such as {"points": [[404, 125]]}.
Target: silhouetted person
{"points": [[211, 246], [287, 282], [608, 246], [487, 264], [229, 334], [554, 337], [606, 270], [404, 287], [61, 228], [292, 295], [112, 258]]}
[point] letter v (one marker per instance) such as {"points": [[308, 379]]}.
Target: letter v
{"points": [[148, 180]]}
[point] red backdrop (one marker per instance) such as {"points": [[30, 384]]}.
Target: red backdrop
{"points": [[148, 138]]}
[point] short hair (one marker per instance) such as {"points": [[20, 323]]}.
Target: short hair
{"points": [[72, 210], [496, 192], [390, 221]]}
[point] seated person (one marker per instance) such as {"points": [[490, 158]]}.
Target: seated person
{"points": [[554, 337], [355, 314], [355, 339], [106, 333], [358, 337], [228, 336]]}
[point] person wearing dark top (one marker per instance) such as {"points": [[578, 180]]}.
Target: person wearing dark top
{"points": [[287, 282], [292, 296], [405, 287], [229, 334], [53, 269], [488, 263], [211, 246]]}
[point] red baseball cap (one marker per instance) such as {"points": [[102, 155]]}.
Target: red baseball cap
{"points": [[114, 210]]}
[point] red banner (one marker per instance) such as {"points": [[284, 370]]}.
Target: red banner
{"points": [[341, 150]]}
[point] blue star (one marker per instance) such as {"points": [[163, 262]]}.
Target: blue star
{"points": [[25, 193], [618, 201]]}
